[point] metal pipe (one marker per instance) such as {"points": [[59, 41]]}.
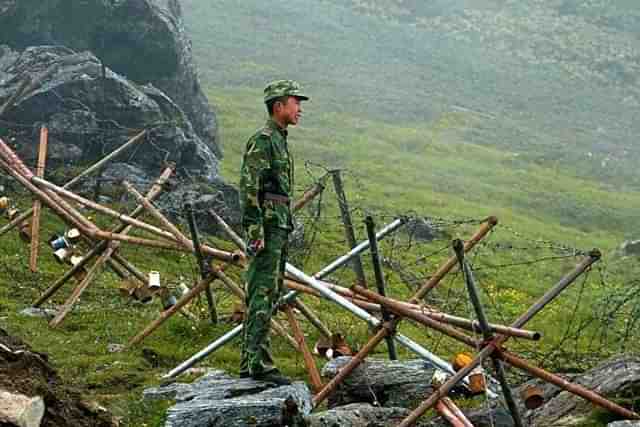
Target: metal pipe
{"points": [[202, 354], [202, 263], [363, 246], [472, 290], [380, 283]]}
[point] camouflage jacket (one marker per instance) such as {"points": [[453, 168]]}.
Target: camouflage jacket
{"points": [[267, 167]]}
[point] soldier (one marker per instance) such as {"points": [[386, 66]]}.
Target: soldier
{"points": [[266, 187]]}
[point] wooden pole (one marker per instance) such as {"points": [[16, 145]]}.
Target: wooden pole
{"points": [[35, 222], [310, 363]]}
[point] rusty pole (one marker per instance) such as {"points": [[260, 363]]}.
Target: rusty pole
{"points": [[549, 296], [8, 227]]}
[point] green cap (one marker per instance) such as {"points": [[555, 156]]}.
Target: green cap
{"points": [[284, 88]]}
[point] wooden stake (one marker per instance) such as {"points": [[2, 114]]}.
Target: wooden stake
{"points": [[314, 375], [35, 222]]}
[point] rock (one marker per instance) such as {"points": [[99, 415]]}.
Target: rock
{"points": [[425, 229], [630, 248], [626, 423], [218, 400], [144, 40], [39, 312], [616, 378], [72, 97], [21, 411], [216, 195], [358, 415], [115, 348], [383, 382]]}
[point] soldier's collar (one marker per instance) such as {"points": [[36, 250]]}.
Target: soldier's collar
{"points": [[275, 126]]}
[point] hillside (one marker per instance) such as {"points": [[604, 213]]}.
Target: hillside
{"points": [[554, 81], [535, 85]]}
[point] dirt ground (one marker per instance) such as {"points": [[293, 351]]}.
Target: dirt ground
{"points": [[29, 372]]}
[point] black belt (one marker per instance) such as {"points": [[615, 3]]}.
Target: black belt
{"points": [[277, 198]]}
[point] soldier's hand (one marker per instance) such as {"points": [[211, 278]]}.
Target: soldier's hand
{"points": [[254, 247]]}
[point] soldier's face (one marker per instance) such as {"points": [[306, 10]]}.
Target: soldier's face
{"points": [[290, 111]]}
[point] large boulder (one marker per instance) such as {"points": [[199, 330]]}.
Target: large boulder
{"points": [[90, 111], [144, 40]]}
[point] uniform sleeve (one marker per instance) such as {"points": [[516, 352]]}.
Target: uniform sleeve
{"points": [[255, 166]]}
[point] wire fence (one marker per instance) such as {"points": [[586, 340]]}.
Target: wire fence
{"points": [[598, 316]]}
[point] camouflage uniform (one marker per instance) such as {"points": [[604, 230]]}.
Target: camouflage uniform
{"points": [[266, 187]]}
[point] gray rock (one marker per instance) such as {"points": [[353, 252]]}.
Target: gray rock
{"points": [[47, 313], [425, 229], [144, 40], [216, 195], [91, 116], [617, 377], [358, 415], [271, 407], [382, 382], [630, 248], [625, 423]]}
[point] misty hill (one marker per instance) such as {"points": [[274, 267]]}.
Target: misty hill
{"points": [[556, 82]]}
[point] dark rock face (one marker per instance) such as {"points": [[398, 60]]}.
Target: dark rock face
{"points": [[143, 40], [90, 115], [381, 382], [358, 415], [218, 399], [617, 378]]}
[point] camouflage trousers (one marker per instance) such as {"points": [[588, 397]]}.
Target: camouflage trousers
{"points": [[264, 285]]}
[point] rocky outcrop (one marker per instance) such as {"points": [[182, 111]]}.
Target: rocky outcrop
{"points": [[90, 111], [218, 399], [617, 379], [381, 382], [143, 40]]}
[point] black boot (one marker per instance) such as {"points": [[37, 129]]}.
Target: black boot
{"points": [[274, 377]]}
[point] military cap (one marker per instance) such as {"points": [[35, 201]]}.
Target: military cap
{"points": [[284, 88]]}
